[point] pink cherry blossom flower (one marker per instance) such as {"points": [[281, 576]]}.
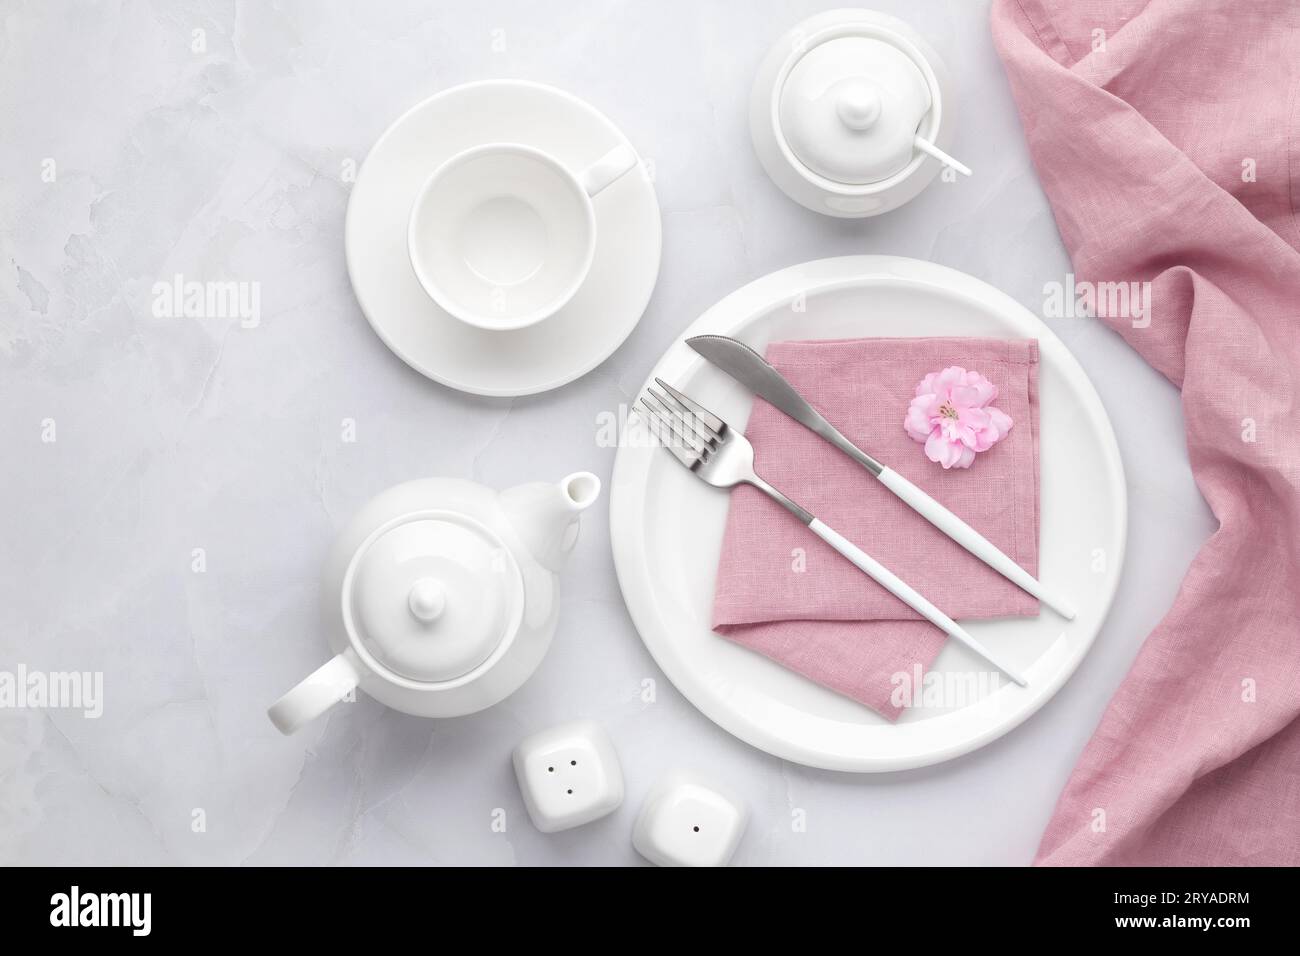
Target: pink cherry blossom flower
{"points": [[953, 415]]}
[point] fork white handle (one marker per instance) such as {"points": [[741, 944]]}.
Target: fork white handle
{"points": [[972, 540], [901, 590]]}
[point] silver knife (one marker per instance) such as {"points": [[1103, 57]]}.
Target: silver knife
{"points": [[753, 371]]}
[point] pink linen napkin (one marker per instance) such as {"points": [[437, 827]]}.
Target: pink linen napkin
{"points": [[1165, 136], [785, 593]]}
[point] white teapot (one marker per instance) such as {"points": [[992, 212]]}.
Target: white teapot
{"points": [[440, 596]]}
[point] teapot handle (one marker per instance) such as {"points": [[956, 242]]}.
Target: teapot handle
{"points": [[317, 693]]}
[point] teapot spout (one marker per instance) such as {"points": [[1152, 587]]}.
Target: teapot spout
{"points": [[545, 516]]}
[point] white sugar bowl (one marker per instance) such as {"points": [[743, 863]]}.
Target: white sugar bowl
{"points": [[851, 114]]}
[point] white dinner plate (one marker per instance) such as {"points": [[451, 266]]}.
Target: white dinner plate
{"points": [[666, 525], [522, 361]]}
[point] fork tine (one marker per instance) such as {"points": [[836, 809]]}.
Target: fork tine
{"points": [[700, 427], [701, 444], [663, 417], [701, 434], [715, 423], [657, 422]]}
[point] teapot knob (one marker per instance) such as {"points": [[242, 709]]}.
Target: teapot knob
{"points": [[427, 599], [858, 105]]}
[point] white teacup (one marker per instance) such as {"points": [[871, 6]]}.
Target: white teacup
{"points": [[502, 236]]}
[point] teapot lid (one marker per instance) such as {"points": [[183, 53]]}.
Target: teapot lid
{"points": [[432, 594], [851, 106]]}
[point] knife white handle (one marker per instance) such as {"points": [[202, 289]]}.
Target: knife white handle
{"points": [[904, 592], [972, 540]]}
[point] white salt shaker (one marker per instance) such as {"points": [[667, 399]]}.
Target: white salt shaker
{"points": [[688, 821]]}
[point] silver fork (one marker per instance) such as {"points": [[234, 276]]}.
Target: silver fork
{"points": [[724, 458]]}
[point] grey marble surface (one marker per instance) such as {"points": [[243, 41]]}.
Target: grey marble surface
{"points": [[130, 156]]}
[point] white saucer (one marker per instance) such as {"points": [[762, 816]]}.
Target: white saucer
{"points": [[524, 361], [666, 526]]}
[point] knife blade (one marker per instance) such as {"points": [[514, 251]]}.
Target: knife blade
{"points": [[754, 372]]}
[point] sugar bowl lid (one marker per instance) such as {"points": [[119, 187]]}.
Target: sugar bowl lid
{"points": [[850, 108], [431, 595]]}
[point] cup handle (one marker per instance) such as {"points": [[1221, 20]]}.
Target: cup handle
{"points": [[317, 693], [604, 171]]}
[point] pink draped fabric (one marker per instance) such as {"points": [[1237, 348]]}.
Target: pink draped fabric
{"points": [[1165, 135]]}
